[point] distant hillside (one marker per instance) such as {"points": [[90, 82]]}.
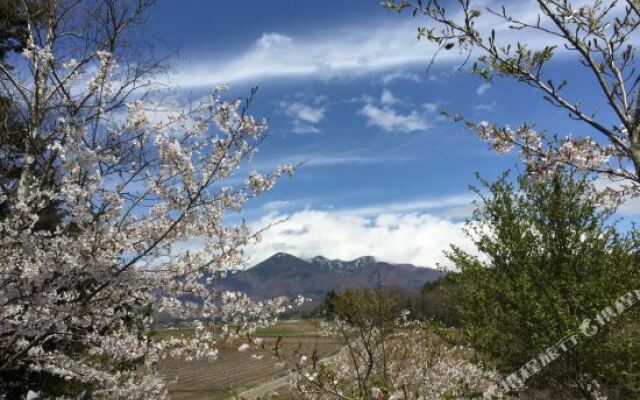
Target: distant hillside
{"points": [[287, 275]]}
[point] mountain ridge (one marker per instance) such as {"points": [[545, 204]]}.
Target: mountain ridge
{"points": [[284, 274]]}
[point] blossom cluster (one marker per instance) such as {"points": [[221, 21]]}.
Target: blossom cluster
{"points": [[542, 154]]}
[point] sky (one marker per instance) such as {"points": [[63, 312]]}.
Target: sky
{"points": [[345, 87]]}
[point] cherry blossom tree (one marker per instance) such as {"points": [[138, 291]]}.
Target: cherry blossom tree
{"points": [[419, 367], [601, 34], [387, 356], [123, 183]]}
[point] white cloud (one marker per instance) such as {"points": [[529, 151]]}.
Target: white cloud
{"points": [[328, 159], [388, 98], [349, 50], [437, 205], [275, 205], [482, 89], [485, 107], [390, 119], [415, 231], [340, 159], [398, 76], [302, 128], [304, 112], [305, 116], [272, 41], [352, 50], [394, 237], [433, 106], [630, 207]]}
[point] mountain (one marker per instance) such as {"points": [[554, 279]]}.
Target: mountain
{"points": [[339, 265], [285, 275]]}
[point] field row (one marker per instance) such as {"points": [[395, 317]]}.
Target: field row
{"points": [[237, 371]]}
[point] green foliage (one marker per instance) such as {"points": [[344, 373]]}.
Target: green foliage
{"points": [[550, 258], [327, 308], [431, 303], [434, 302], [368, 308]]}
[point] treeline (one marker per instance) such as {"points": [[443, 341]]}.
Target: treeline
{"points": [[429, 303]]}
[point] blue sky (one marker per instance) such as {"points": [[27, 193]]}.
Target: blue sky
{"points": [[343, 84]]}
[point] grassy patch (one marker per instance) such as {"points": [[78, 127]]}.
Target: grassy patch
{"points": [[225, 396], [233, 393]]}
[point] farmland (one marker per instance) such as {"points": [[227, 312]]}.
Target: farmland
{"points": [[234, 371]]}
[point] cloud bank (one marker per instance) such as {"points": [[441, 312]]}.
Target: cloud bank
{"points": [[367, 47], [415, 231], [415, 238], [350, 50]]}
